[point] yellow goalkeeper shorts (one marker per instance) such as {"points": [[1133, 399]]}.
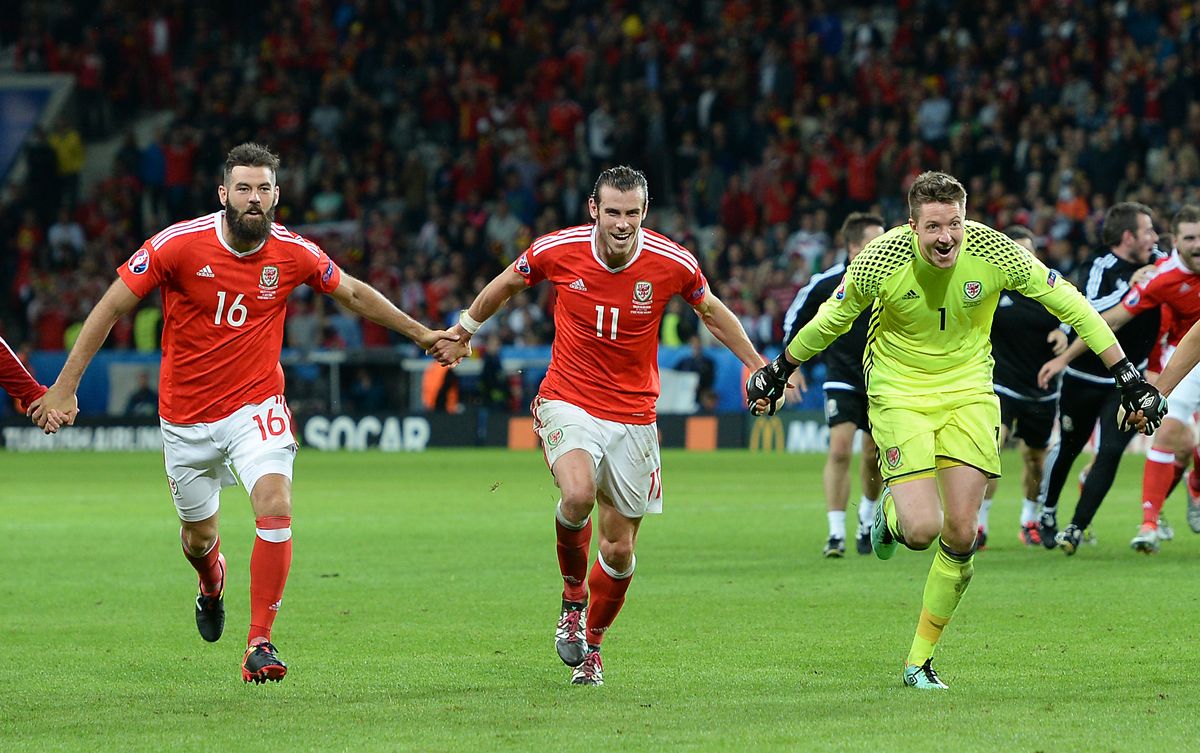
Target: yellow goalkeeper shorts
{"points": [[918, 435]]}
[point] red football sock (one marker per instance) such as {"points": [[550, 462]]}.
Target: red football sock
{"points": [[573, 559], [608, 594], [269, 565], [1176, 474], [1156, 482], [212, 576]]}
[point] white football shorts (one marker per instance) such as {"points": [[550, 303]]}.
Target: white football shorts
{"points": [[201, 458], [626, 456], [1185, 398]]}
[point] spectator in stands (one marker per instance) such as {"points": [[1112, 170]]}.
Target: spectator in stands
{"points": [[144, 400], [69, 155], [819, 115], [701, 364]]}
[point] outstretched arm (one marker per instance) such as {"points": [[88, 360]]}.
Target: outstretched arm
{"points": [[15, 379], [369, 303], [728, 330], [117, 301], [1183, 360], [1116, 317], [494, 295]]}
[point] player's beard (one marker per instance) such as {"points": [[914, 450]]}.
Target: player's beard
{"points": [[250, 229]]}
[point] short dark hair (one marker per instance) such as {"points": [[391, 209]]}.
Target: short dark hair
{"points": [[1186, 213], [623, 178], [856, 225], [932, 187], [1120, 218], [1020, 233], [249, 154]]}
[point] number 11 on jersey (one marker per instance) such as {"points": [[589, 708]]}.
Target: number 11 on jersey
{"points": [[600, 321]]}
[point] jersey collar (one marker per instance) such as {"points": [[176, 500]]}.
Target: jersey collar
{"points": [[220, 226], [641, 240]]}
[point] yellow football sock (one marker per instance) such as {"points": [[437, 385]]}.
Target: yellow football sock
{"points": [[949, 576]]}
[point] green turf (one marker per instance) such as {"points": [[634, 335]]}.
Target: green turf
{"points": [[421, 604]]}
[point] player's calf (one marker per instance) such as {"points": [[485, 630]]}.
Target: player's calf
{"points": [[210, 609]]}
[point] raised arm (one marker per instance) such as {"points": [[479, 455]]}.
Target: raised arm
{"points": [[117, 301], [494, 295], [369, 303]]}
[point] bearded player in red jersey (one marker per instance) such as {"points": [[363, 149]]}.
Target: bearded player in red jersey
{"points": [[225, 279], [595, 409]]}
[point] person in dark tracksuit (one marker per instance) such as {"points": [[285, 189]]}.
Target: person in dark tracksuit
{"points": [[1087, 388], [845, 394]]}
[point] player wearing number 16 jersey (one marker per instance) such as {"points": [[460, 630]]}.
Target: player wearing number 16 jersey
{"points": [[225, 279], [595, 409]]}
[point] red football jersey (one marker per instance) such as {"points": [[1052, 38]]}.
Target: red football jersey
{"points": [[605, 353], [1174, 287], [223, 313]]}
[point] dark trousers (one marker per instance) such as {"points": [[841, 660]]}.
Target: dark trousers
{"points": [[1081, 405]]}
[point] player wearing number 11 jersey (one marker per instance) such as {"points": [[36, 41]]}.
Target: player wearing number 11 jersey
{"points": [[225, 279], [595, 409]]}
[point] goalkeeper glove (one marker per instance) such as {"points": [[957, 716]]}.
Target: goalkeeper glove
{"points": [[769, 382], [1137, 395]]}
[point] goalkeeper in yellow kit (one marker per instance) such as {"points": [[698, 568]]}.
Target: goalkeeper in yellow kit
{"points": [[935, 283]]}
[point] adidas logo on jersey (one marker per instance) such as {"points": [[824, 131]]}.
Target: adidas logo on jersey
{"points": [[205, 272], [578, 285], [911, 295]]}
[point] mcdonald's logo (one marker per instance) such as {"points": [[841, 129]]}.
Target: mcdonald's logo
{"points": [[767, 435]]}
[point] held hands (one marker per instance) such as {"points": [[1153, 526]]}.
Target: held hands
{"points": [[434, 336], [1142, 407], [450, 347], [54, 409], [765, 387]]}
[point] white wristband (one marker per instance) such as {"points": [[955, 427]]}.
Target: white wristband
{"points": [[466, 322]]}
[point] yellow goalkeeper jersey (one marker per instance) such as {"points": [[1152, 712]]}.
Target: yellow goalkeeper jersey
{"points": [[930, 328]]}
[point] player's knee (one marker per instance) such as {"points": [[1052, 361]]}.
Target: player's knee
{"points": [[618, 554], [920, 534], [273, 503], [577, 501], [840, 457], [198, 539], [919, 540], [960, 537]]}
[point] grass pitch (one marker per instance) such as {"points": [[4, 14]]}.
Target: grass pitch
{"points": [[420, 609]]}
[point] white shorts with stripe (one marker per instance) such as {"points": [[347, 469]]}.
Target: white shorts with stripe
{"points": [[201, 458], [626, 457]]}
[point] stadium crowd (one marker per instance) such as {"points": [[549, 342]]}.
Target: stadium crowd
{"points": [[446, 136]]}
